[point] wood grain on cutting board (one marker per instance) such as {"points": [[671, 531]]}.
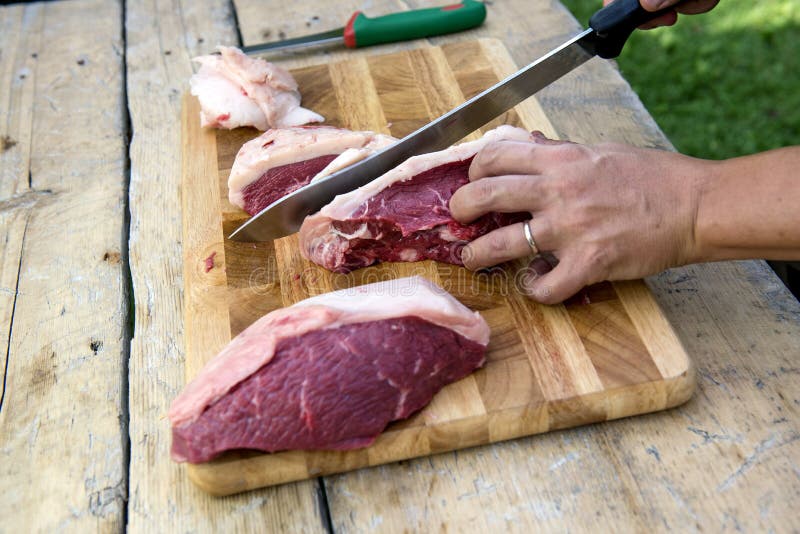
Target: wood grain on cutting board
{"points": [[609, 354]]}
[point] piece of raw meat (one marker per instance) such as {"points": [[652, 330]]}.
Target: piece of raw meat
{"points": [[404, 215], [329, 372], [236, 90], [282, 160]]}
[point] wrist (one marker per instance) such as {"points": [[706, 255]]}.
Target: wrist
{"points": [[747, 208], [703, 179]]}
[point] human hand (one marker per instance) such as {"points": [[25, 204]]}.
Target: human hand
{"points": [[606, 212], [686, 7]]}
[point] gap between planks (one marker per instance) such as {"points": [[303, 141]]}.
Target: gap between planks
{"points": [[13, 310], [129, 328]]}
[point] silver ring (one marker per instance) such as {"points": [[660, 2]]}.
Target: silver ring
{"points": [[526, 227]]}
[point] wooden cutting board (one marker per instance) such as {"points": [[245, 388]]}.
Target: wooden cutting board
{"points": [[607, 354]]}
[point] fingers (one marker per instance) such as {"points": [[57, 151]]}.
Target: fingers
{"points": [[505, 244], [549, 284], [504, 194], [540, 281], [515, 169], [557, 285], [687, 7], [655, 5], [667, 19], [521, 157], [505, 157], [694, 7]]}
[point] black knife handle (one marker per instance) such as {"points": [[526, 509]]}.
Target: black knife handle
{"points": [[614, 24]]}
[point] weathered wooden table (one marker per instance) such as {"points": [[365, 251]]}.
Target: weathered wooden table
{"points": [[91, 310]]}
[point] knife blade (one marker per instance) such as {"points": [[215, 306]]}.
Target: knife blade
{"points": [[361, 30], [608, 30]]}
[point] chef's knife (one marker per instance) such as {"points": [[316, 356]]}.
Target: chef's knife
{"points": [[608, 30], [361, 30]]}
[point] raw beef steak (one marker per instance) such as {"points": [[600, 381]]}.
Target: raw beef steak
{"points": [[404, 215], [281, 161], [329, 372]]}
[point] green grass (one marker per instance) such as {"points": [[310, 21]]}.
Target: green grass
{"points": [[722, 84]]}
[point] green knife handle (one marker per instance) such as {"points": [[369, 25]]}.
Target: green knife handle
{"points": [[417, 24], [614, 24]]}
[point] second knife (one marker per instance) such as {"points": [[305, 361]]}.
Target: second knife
{"points": [[361, 30]]}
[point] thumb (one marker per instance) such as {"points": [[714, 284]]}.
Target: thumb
{"points": [[557, 285]]}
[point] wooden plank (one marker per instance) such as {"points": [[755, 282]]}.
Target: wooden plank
{"points": [[359, 106], [63, 302], [20, 38], [207, 322], [16, 110], [399, 94], [158, 70], [441, 90], [640, 477]]}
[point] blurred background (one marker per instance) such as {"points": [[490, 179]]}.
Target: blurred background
{"points": [[722, 84]]}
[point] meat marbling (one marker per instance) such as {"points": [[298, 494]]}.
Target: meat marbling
{"points": [[282, 160], [329, 372], [236, 90], [404, 215]]}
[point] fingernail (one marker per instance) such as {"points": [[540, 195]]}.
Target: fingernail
{"points": [[655, 5], [540, 266], [466, 256]]}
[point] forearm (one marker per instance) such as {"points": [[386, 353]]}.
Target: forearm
{"points": [[749, 207]]}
